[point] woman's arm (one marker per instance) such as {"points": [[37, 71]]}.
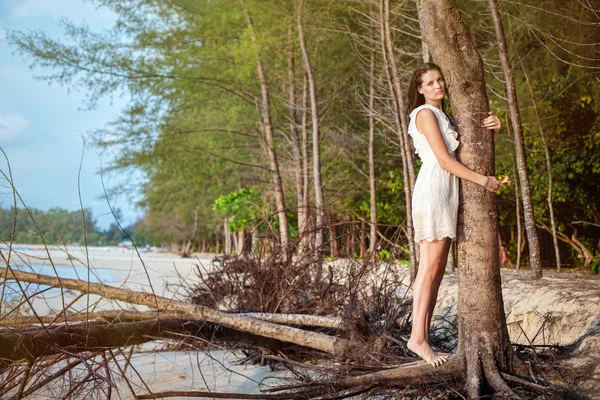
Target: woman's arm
{"points": [[427, 124]]}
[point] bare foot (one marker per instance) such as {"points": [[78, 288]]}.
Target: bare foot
{"points": [[425, 351]]}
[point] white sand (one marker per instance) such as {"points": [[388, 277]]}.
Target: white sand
{"points": [[214, 371]]}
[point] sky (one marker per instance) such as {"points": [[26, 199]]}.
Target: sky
{"points": [[43, 126]]}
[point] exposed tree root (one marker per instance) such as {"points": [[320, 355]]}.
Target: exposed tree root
{"points": [[417, 373], [261, 396]]}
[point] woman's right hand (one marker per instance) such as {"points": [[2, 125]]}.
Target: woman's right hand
{"points": [[492, 184]]}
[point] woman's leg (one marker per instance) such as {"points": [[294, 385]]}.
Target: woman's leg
{"points": [[436, 285], [431, 267]]}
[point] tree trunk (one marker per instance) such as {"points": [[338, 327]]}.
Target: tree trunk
{"points": [[548, 168], [227, 237], [39, 342], [305, 240], [319, 212], [333, 240], [372, 186], [484, 346], [535, 261], [296, 152], [401, 128], [363, 239], [241, 239], [517, 199], [269, 140], [398, 95]]}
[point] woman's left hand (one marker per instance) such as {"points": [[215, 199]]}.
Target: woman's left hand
{"points": [[492, 123]]}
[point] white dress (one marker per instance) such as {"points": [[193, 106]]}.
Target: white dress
{"points": [[435, 197]]}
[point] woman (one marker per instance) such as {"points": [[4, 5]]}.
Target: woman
{"points": [[435, 196]]}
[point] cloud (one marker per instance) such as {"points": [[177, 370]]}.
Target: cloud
{"points": [[11, 125], [74, 9]]}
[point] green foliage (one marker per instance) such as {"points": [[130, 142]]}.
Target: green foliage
{"points": [[242, 208], [384, 254], [55, 226]]}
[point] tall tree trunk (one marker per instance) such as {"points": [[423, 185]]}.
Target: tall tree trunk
{"points": [[319, 212], [535, 261], [401, 128], [269, 140], [517, 197], [227, 237], [188, 244], [484, 345], [372, 186], [302, 212], [548, 168], [306, 239], [398, 95]]}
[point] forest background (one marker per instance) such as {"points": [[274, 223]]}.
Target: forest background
{"points": [[235, 113]]}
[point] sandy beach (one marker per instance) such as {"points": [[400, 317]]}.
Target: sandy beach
{"points": [[569, 300]]}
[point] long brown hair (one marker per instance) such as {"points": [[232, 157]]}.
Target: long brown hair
{"points": [[416, 99]]}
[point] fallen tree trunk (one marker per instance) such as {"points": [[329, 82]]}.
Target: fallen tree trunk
{"points": [[338, 347], [124, 316], [40, 342]]}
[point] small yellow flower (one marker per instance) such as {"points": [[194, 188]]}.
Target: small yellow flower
{"points": [[504, 179]]}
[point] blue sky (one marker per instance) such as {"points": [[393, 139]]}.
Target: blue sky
{"points": [[42, 126]]}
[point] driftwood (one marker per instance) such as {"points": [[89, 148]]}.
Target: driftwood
{"points": [[335, 346], [36, 342]]}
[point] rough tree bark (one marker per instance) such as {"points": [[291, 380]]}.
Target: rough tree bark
{"points": [[484, 347], [319, 212], [399, 111], [548, 167], [269, 140], [535, 261]]}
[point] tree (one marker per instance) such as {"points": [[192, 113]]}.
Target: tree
{"points": [[318, 186], [269, 140], [484, 348], [400, 115], [535, 261]]}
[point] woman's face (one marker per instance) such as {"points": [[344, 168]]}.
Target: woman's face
{"points": [[433, 87]]}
